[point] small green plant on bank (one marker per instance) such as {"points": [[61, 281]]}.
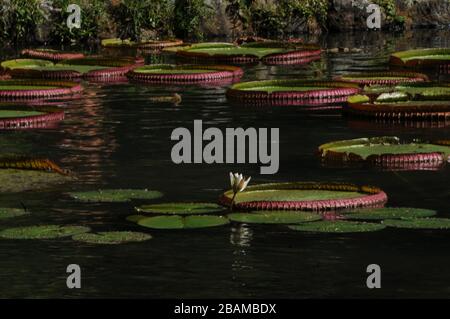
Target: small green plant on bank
{"points": [[19, 19], [275, 18], [94, 19], [188, 18], [132, 16]]}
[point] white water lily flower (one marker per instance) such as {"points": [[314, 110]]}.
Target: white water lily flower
{"points": [[238, 184]]}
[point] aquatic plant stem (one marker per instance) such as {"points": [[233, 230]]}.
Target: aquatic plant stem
{"points": [[232, 202]]}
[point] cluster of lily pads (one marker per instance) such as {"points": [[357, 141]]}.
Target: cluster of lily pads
{"points": [[397, 94]]}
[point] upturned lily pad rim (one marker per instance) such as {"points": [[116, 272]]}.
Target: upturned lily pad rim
{"points": [[370, 196], [388, 213], [204, 73], [274, 217], [347, 151], [436, 109], [112, 237], [51, 54], [417, 57], [327, 92], [289, 51], [183, 222], [252, 86], [338, 227], [384, 78], [182, 208]]}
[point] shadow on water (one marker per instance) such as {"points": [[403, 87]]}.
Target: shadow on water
{"points": [[116, 136]]}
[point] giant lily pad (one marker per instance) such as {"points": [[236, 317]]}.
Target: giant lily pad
{"points": [[430, 103], [115, 195], [74, 68], [421, 57], [337, 227], [269, 52], [18, 118], [292, 92], [383, 78], [419, 223], [112, 237], [389, 213], [386, 151], [180, 222], [184, 74], [42, 232], [304, 196], [26, 89], [181, 208], [274, 217], [6, 212]]}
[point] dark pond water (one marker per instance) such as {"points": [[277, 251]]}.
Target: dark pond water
{"points": [[114, 136]]}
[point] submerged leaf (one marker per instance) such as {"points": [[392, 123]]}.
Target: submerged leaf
{"points": [[180, 222], [42, 232], [115, 195], [337, 227], [274, 217], [111, 238], [389, 213], [181, 208], [419, 223]]}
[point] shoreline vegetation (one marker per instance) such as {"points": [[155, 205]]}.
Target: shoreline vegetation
{"points": [[44, 22]]}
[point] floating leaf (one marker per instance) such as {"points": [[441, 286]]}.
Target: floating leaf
{"points": [[6, 212], [419, 223], [389, 213], [337, 227], [274, 217], [135, 218], [18, 180], [111, 238], [181, 208], [115, 195], [180, 222], [42, 232]]}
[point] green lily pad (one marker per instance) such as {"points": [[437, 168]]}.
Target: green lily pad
{"points": [[337, 227], [20, 180], [135, 218], [365, 147], [389, 213], [42, 232], [181, 208], [6, 212], [112, 237], [419, 223], [180, 222], [293, 195], [115, 195], [274, 217]]}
